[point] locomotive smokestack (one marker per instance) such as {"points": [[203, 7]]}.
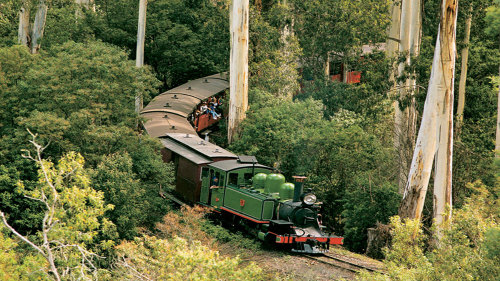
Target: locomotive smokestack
{"points": [[299, 184]]}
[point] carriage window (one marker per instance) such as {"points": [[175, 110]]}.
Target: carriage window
{"points": [[204, 172], [233, 179]]}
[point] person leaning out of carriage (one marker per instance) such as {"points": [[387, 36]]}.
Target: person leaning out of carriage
{"points": [[215, 183]]}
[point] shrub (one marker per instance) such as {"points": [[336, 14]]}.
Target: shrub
{"points": [[160, 259]]}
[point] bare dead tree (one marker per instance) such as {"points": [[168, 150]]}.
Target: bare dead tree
{"points": [[48, 247]]}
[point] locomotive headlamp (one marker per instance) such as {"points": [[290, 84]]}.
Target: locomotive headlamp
{"points": [[309, 199]]}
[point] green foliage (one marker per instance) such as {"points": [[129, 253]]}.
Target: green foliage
{"points": [[274, 51], [271, 132], [368, 98], [338, 27], [184, 39], [16, 265], [66, 21], [466, 248], [407, 249], [78, 207], [80, 97], [9, 22], [493, 19], [234, 238], [348, 169], [491, 244], [24, 213], [73, 216], [154, 258], [114, 177], [191, 224], [75, 78], [136, 201], [475, 148], [14, 63], [363, 208]]}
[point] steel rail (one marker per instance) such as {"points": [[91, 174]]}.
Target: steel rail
{"points": [[338, 260]]}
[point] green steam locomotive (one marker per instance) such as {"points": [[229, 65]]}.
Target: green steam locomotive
{"points": [[252, 196]]}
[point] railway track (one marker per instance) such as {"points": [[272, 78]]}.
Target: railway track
{"points": [[341, 263]]}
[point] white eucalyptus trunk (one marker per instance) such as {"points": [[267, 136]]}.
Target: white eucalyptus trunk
{"points": [[444, 156], [406, 120], [399, 115], [463, 73], [23, 34], [238, 76], [440, 91], [38, 27], [392, 47], [139, 59]]}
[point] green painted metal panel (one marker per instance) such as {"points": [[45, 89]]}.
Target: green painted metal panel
{"points": [[268, 211], [243, 202], [217, 197]]}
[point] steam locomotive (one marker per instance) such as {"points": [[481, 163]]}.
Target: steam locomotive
{"points": [[237, 189]]}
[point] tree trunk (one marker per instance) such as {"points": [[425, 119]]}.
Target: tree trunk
{"points": [[393, 41], [463, 74], [405, 120], [393, 34], [238, 78], [139, 59], [379, 237], [38, 27], [401, 131], [345, 72], [443, 175], [440, 89], [23, 36], [327, 67], [497, 143]]}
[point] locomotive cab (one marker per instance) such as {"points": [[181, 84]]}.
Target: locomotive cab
{"points": [[227, 186]]}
